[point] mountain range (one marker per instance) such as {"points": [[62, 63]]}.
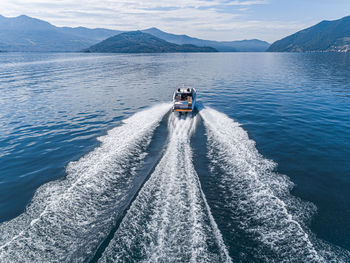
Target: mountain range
{"points": [[323, 37], [253, 45], [140, 42], [24, 33]]}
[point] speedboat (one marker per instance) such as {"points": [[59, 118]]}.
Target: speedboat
{"points": [[184, 99]]}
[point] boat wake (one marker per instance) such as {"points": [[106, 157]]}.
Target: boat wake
{"points": [[246, 215], [68, 219], [170, 220], [265, 220]]}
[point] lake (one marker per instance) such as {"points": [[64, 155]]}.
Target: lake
{"points": [[95, 168]]}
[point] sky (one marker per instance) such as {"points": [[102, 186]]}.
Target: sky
{"points": [[267, 20]]}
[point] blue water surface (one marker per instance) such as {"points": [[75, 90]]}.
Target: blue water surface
{"points": [[296, 107]]}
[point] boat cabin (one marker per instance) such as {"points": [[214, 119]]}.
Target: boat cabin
{"points": [[184, 99]]}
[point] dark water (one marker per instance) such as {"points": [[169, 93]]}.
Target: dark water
{"points": [[261, 174]]}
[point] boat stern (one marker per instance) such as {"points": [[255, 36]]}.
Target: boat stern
{"points": [[184, 100], [182, 107]]}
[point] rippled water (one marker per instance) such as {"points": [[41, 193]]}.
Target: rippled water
{"points": [[261, 174]]}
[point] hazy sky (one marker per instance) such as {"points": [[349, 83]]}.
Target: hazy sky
{"points": [[217, 19]]}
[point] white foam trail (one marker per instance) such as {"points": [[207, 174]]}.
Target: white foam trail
{"points": [[69, 218], [254, 194], [170, 220]]}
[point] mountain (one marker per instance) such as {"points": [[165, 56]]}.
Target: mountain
{"points": [[24, 33], [140, 42], [253, 45], [325, 36], [97, 34]]}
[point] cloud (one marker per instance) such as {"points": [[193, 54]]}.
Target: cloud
{"points": [[247, 3]]}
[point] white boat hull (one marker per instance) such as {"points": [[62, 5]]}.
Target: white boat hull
{"points": [[184, 100]]}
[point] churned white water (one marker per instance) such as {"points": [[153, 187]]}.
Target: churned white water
{"points": [[170, 220], [69, 218], [258, 199]]}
